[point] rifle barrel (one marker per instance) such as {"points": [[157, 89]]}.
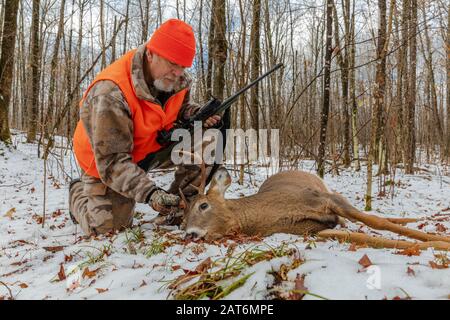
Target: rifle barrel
{"points": [[231, 99]]}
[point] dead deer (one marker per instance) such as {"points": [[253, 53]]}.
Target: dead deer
{"points": [[293, 202]]}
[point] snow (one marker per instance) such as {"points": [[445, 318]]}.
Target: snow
{"points": [[331, 270]]}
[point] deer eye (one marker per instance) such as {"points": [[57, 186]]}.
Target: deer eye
{"points": [[204, 206]]}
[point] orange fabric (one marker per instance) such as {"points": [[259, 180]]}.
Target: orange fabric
{"points": [[174, 40], [148, 118]]}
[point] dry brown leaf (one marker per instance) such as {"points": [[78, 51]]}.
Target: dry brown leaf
{"points": [[10, 213], [365, 261], [61, 273], [23, 285], [54, 249], [411, 251], [410, 271], [89, 274], [204, 265], [441, 228], [299, 287], [100, 290], [434, 265]]}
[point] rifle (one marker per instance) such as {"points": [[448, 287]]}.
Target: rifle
{"points": [[212, 107]]}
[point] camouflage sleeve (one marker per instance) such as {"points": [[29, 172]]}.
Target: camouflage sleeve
{"points": [[107, 119]]}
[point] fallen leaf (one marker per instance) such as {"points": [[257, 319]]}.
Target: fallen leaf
{"points": [[434, 265], [54, 249], [365, 261], [400, 298], [68, 258], [420, 226], [56, 213], [299, 288], [10, 213], [440, 227], [204, 265], [411, 251], [89, 274], [75, 284], [410, 272], [99, 290], [23, 285], [176, 267], [352, 247], [61, 273]]}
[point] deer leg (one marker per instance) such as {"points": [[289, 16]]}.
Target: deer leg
{"points": [[344, 209], [377, 242], [402, 221]]}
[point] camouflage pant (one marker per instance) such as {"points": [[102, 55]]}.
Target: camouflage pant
{"points": [[99, 209]]}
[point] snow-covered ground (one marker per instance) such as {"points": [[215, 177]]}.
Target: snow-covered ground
{"points": [[55, 262]]}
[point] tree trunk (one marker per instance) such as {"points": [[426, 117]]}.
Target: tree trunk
{"points": [[7, 65], [410, 114], [431, 87], [53, 71], [33, 87], [326, 89], [220, 49], [255, 57], [211, 35], [448, 83], [380, 84], [354, 105], [343, 57]]}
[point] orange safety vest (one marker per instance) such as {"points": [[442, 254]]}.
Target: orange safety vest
{"points": [[148, 117]]}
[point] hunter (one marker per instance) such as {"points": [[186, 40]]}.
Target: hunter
{"points": [[121, 112]]}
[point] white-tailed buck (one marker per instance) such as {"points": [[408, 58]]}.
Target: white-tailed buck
{"points": [[293, 202]]}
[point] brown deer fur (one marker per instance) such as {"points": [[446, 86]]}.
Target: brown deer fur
{"points": [[293, 202]]}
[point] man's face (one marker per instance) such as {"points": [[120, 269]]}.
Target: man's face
{"points": [[165, 74]]}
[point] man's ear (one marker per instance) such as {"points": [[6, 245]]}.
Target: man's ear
{"points": [[149, 55], [220, 182]]}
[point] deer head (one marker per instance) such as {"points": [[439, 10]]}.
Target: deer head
{"points": [[207, 215]]}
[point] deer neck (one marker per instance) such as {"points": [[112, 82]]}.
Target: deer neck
{"points": [[245, 211]]}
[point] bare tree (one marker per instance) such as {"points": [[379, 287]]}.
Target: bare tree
{"points": [[326, 89], [53, 69], [255, 57], [377, 110], [219, 48], [34, 62], [411, 98], [6, 65]]}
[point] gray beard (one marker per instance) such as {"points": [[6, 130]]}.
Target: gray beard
{"points": [[159, 85]]}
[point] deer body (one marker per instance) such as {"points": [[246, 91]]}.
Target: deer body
{"points": [[288, 202], [293, 202]]}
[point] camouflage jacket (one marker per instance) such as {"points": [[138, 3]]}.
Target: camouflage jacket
{"points": [[107, 119]]}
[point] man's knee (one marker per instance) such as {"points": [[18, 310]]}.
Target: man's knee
{"points": [[98, 209]]}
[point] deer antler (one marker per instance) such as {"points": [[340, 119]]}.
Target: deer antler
{"points": [[201, 188]]}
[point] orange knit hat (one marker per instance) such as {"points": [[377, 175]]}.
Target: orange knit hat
{"points": [[174, 40]]}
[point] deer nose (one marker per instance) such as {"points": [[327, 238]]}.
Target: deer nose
{"points": [[191, 236]]}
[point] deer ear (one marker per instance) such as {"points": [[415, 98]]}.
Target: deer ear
{"points": [[220, 182]]}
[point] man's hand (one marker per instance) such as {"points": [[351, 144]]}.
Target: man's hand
{"points": [[212, 121], [162, 201]]}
